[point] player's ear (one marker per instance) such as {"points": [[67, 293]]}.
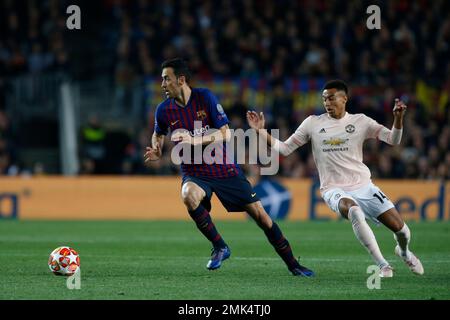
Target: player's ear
{"points": [[181, 80]]}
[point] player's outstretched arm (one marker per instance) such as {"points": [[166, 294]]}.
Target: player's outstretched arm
{"points": [[394, 136], [222, 134], [256, 121], [154, 152], [399, 112]]}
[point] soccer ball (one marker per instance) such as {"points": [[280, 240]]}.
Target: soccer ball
{"points": [[64, 261]]}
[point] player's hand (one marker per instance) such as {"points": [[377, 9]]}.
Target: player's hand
{"points": [[255, 121], [182, 137], [399, 108], [152, 154]]}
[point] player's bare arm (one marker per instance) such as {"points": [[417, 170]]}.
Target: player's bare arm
{"points": [[394, 136], [154, 152], [399, 112], [256, 121], [223, 134]]}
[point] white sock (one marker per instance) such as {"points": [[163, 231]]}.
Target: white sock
{"points": [[402, 237], [365, 235]]}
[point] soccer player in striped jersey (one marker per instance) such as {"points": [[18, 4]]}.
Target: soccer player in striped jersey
{"points": [[337, 139], [184, 106]]}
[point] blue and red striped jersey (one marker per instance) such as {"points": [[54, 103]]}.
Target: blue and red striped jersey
{"points": [[202, 107]]}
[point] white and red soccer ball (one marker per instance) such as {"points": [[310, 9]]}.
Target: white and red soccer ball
{"points": [[64, 261]]}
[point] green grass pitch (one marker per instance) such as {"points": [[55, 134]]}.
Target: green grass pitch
{"points": [[166, 260]]}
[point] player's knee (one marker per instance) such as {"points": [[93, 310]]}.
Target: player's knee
{"points": [[402, 230], [261, 217], [191, 201], [398, 226], [355, 214], [345, 205], [191, 198]]}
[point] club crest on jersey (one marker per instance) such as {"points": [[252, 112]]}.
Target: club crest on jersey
{"points": [[201, 115], [350, 128]]}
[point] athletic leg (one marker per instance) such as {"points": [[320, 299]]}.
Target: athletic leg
{"points": [[192, 195], [351, 211], [392, 220], [276, 238]]}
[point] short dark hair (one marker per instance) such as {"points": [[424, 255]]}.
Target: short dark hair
{"points": [[179, 66], [336, 84]]}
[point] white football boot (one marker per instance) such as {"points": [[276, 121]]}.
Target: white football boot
{"points": [[386, 272], [413, 262]]}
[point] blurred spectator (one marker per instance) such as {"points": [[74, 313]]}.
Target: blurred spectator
{"points": [[38, 60], [93, 149], [8, 165]]}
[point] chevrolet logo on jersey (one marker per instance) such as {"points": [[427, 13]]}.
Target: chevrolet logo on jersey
{"points": [[334, 141]]}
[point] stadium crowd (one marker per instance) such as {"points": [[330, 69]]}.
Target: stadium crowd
{"points": [[31, 40], [278, 39], [274, 40]]}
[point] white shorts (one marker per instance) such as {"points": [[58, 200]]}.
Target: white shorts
{"points": [[370, 199]]}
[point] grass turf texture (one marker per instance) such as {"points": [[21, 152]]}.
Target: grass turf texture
{"points": [[166, 260]]}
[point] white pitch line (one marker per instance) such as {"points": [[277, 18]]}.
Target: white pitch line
{"points": [[168, 257]]}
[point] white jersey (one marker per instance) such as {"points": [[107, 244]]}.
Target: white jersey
{"points": [[337, 146]]}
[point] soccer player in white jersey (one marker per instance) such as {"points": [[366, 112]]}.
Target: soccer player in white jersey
{"points": [[337, 139]]}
